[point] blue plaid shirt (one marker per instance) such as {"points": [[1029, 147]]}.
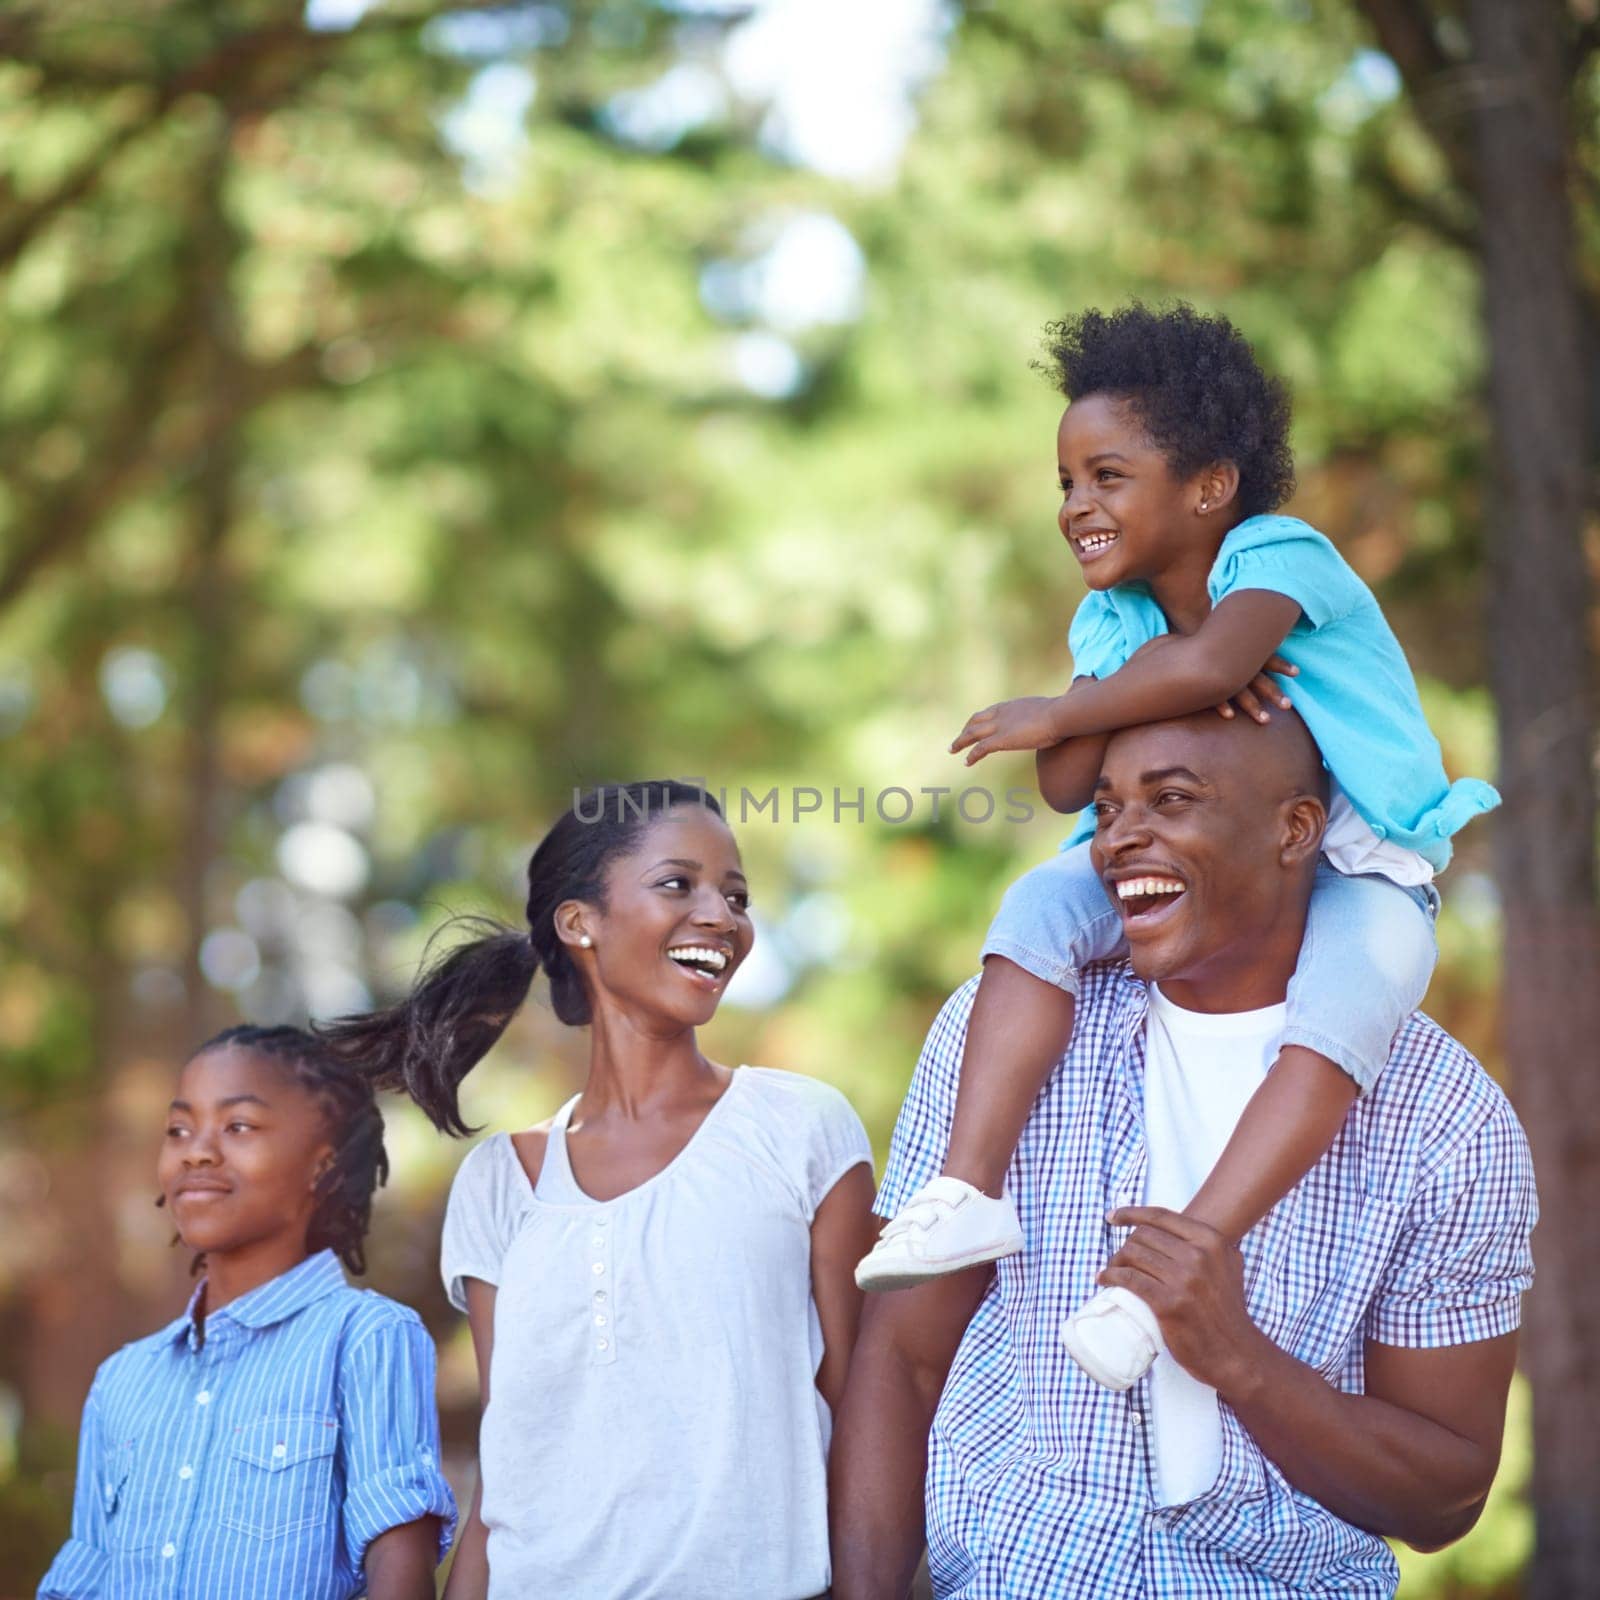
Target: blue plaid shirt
{"points": [[260, 1463], [1413, 1230]]}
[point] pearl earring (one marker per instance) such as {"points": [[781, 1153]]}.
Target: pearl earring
{"points": [[586, 941]]}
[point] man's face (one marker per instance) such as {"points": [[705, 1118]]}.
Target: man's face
{"points": [[1199, 844]]}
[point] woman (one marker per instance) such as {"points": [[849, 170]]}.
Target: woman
{"points": [[658, 1279]]}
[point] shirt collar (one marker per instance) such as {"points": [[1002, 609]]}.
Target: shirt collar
{"points": [[274, 1301]]}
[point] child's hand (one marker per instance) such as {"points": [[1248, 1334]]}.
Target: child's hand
{"points": [[1261, 689], [1026, 724]]}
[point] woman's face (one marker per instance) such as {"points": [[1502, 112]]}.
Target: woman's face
{"points": [[676, 921]]}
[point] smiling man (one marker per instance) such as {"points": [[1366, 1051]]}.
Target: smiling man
{"points": [[1340, 1378]]}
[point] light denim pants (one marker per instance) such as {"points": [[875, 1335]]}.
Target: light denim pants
{"points": [[1368, 952]]}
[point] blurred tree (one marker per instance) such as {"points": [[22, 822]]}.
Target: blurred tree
{"points": [[411, 412], [1507, 92], [281, 393]]}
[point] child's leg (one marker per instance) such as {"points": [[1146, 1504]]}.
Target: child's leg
{"points": [[1365, 962], [1051, 922], [1368, 953]]}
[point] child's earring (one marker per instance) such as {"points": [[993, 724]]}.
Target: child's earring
{"points": [[585, 943], [1205, 506]]}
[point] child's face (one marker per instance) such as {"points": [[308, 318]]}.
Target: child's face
{"points": [[1125, 514], [243, 1150]]}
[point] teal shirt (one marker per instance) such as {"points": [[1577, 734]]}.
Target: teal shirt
{"points": [[1355, 689]]}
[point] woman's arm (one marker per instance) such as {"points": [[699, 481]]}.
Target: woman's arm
{"points": [[1186, 673], [469, 1571], [841, 1233]]}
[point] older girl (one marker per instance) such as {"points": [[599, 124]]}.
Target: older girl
{"points": [[280, 1437]]}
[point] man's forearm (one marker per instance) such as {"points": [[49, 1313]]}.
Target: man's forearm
{"points": [[877, 1466], [879, 1459], [1374, 1463]]}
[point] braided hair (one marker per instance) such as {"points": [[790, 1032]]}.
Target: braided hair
{"points": [[464, 999], [343, 1209]]}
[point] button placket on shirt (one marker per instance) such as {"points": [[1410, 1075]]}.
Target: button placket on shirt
{"points": [[602, 1308], [194, 1448]]}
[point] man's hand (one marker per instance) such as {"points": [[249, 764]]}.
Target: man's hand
{"points": [[1026, 724], [1193, 1280]]}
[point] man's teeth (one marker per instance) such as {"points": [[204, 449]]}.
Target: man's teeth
{"points": [[1134, 888], [1090, 542], [695, 954]]}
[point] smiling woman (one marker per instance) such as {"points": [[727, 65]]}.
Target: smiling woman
{"points": [[658, 1279]]}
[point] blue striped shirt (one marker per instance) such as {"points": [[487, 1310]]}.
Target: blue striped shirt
{"points": [[1412, 1231], [259, 1462]]}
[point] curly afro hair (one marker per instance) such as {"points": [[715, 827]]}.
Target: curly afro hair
{"points": [[1194, 385]]}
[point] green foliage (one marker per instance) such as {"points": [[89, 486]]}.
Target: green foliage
{"points": [[357, 484]]}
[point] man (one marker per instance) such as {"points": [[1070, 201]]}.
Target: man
{"points": [[1342, 1377]]}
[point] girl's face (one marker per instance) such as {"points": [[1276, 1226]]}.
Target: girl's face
{"points": [[244, 1147], [676, 922], [1123, 512]]}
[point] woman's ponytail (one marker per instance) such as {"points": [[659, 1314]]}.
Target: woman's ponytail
{"points": [[461, 1003]]}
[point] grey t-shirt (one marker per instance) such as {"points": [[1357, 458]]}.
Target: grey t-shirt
{"points": [[654, 1430]]}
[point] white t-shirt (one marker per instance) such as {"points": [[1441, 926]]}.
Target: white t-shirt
{"points": [[1200, 1070], [654, 1430], [1353, 848]]}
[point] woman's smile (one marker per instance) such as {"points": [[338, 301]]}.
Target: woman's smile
{"points": [[706, 965]]}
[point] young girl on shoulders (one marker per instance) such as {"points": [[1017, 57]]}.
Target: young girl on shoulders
{"points": [[1173, 456], [280, 1438], [659, 1278]]}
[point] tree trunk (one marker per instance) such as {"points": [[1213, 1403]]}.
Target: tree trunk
{"points": [[1539, 652]]}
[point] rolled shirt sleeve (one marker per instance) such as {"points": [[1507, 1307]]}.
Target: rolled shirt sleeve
{"points": [[1460, 1268], [79, 1569], [390, 1421]]}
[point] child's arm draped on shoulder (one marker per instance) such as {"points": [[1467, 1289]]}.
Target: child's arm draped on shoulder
{"points": [[1172, 676], [1066, 771]]}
